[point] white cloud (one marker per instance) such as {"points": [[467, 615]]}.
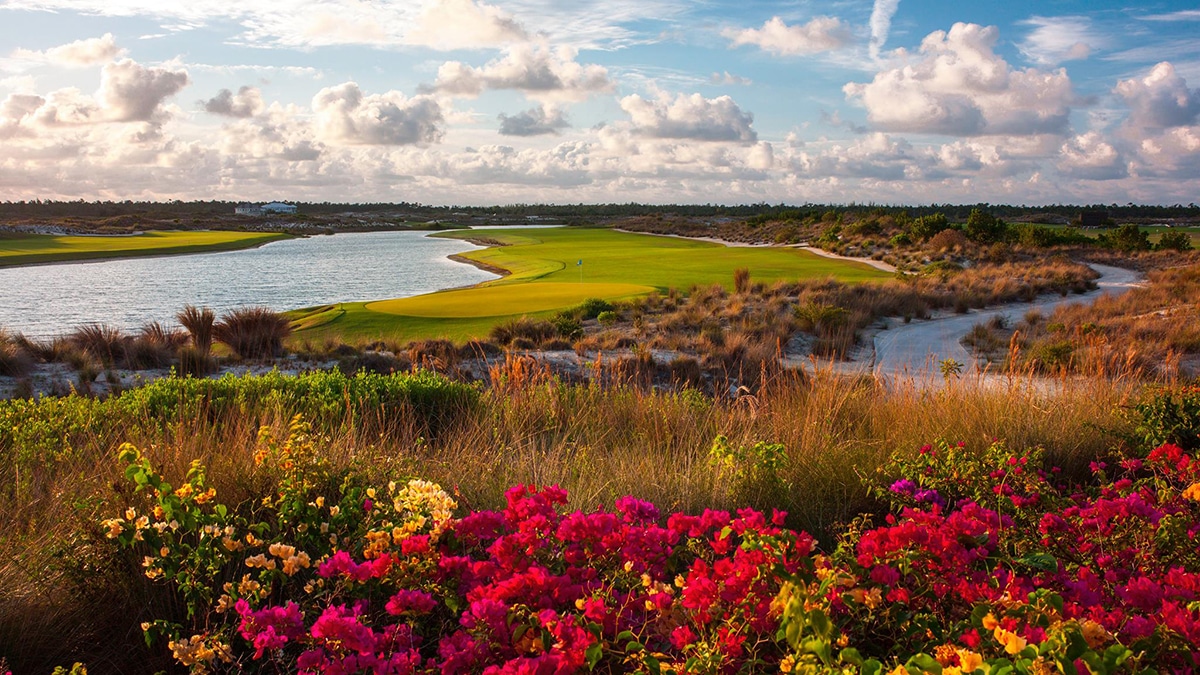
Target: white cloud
{"points": [[727, 78], [131, 92], [961, 87], [1057, 39], [344, 115], [533, 122], [1174, 154], [541, 73], [1090, 156], [821, 34], [1161, 99], [464, 24], [690, 117], [881, 24], [1182, 15], [78, 54], [247, 102], [429, 23]]}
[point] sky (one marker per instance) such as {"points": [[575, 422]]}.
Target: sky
{"points": [[554, 101]]}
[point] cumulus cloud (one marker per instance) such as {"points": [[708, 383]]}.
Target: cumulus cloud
{"points": [[821, 34], [538, 71], [131, 92], [533, 122], [464, 24], [1161, 99], [1057, 39], [690, 117], [247, 102], [961, 87], [881, 24], [277, 133], [78, 54], [344, 115], [1090, 156]]}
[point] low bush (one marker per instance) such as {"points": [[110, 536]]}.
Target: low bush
{"points": [[531, 330], [253, 332]]}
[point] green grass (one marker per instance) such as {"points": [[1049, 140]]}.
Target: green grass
{"points": [[46, 248], [545, 276]]}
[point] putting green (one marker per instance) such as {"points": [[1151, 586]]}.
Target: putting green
{"points": [[504, 300]]}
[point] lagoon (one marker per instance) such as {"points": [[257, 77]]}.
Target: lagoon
{"points": [[44, 301]]}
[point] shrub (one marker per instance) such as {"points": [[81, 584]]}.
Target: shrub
{"points": [[102, 342], [15, 361], [567, 326], [948, 240], [200, 324], [523, 328], [608, 318], [591, 308], [741, 280], [253, 332], [1174, 241]]}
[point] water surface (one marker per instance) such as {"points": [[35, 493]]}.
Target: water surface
{"points": [[47, 300]]}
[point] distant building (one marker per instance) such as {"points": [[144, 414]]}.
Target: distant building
{"points": [[1093, 219], [265, 209]]}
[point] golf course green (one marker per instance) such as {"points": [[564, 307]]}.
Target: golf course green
{"points": [[31, 249], [556, 268]]}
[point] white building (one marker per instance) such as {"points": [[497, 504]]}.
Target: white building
{"points": [[265, 209]]}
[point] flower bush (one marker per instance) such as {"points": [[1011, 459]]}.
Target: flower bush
{"points": [[987, 562]]}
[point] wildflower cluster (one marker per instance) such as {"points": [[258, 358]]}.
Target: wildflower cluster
{"points": [[988, 562]]}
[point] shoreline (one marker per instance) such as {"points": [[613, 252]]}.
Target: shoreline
{"points": [[150, 253]]}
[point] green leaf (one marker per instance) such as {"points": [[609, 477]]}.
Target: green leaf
{"points": [[926, 663], [850, 655], [633, 646], [652, 664], [593, 655], [624, 636], [1041, 561]]}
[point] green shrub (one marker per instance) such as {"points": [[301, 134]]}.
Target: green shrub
{"points": [[608, 318], [1174, 241]]}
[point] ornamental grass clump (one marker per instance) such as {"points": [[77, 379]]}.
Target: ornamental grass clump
{"points": [[253, 332]]}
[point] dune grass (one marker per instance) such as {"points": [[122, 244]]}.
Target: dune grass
{"points": [[553, 269], [30, 249]]}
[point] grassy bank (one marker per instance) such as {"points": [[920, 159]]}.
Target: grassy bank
{"points": [[806, 446], [31, 249], [553, 269]]}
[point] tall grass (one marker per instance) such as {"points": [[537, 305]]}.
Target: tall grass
{"points": [[253, 332], [200, 324]]}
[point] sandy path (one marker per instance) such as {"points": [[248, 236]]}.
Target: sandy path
{"points": [[917, 348]]}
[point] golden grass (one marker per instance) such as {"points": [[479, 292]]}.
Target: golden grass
{"points": [[597, 442]]}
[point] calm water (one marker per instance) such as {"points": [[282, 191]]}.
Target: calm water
{"points": [[48, 300]]}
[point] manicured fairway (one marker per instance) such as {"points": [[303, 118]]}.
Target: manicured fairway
{"points": [[546, 276], [504, 300], [43, 248]]}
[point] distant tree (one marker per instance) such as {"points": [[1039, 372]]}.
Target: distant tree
{"points": [[984, 228], [926, 226]]}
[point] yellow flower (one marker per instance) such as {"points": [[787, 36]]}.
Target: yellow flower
{"points": [[650, 605], [130, 514], [206, 496], [969, 661], [1192, 492], [115, 527], [787, 664], [580, 604], [164, 552], [1013, 643], [159, 514], [184, 491], [371, 492]]}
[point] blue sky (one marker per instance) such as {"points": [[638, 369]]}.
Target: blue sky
{"points": [[471, 102]]}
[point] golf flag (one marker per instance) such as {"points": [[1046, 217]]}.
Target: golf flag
{"points": [[579, 263]]}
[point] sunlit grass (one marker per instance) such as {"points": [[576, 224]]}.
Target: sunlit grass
{"points": [[43, 248]]}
